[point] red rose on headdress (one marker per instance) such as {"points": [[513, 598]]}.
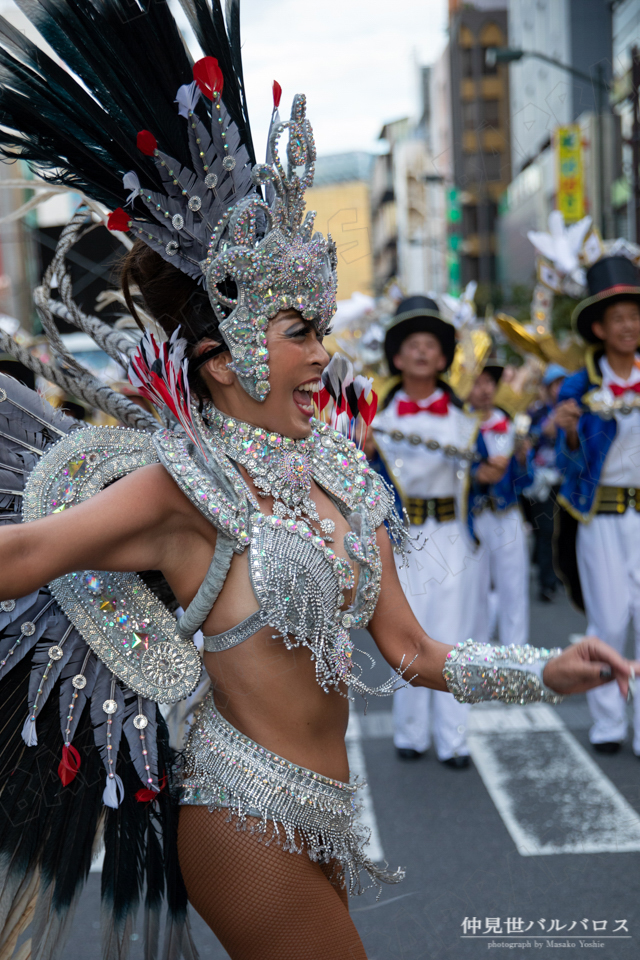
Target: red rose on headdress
{"points": [[208, 75], [146, 143], [119, 220]]}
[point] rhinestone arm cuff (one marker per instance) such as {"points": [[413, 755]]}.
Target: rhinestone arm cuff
{"points": [[475, 672]]}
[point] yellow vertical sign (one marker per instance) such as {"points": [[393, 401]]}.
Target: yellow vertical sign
{"points": [[570, 197]]}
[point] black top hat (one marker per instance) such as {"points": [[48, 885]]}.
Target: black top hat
{"points": [[609, 280], [418, 314]]}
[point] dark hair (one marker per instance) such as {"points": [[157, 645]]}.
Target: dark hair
{"points": [[172, 298]]}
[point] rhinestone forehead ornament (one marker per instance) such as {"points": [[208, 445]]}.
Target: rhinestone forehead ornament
{"points": [[228, 221]]}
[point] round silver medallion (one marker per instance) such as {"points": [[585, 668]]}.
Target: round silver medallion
{"points": [[79, 681], [55, 652], [8, 605], [110, 707], [164, 664], [3, 395], [171, 248], [140, 722], [194, 203], [211, 180], [28, 629], [229, 163], [177, 221]]}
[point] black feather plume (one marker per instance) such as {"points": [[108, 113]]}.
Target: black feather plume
{"points": [[131, 59]]}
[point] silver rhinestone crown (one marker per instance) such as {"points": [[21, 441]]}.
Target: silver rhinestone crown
{"points": [[225, 220]]}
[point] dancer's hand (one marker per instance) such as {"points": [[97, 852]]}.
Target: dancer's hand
{"points": [[588, 664]]}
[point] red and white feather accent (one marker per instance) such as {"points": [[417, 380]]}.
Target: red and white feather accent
{"points": [[159, 372], [351, 400]]}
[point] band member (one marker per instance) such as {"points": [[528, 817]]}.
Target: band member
{"points": [[541, 495], [498, 480], [599, 445], [422, 436]]}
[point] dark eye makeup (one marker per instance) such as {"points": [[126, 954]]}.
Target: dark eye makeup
{"points": [[298, 329]]}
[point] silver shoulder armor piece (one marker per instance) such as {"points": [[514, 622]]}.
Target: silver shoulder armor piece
{"points": [[220, 497], [125, 625], [475, 672]]}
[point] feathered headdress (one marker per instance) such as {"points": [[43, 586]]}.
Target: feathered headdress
{"points": [[165, 143]]}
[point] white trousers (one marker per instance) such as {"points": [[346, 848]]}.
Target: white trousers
{"points": [[608, 553], [503, 562], [440, 584]]}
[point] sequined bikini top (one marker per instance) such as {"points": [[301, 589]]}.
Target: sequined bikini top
{"points": [[297, 578]]}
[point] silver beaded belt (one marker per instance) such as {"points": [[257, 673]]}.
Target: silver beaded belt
{"points": [[306, 810]]}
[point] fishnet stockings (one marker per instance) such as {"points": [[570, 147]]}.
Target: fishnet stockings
{"points": [[262, 902]]}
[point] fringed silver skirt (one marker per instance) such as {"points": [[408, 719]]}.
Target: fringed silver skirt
{"points": [[299, 809]]}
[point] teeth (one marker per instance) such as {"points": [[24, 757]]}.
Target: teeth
{"points": [[313, 386]]}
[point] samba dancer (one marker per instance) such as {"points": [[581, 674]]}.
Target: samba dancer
{"points": [[266, 526]]}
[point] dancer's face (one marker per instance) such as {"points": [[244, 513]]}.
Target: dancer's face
{"points": [[296, 361]]}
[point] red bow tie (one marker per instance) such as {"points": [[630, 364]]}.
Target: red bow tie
{"points": [[501, 427], [617, 390], [439, 407]]}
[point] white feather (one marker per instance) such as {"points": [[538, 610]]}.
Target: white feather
{"points": [[113, 792], [131, 182], [186, 98], [29, 733]]}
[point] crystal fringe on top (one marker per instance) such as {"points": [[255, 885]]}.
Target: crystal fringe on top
{"points": [[299, 809]]}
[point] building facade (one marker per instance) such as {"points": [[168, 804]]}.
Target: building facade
{"points": [[341, 197], [479, 134], [577, 33]]}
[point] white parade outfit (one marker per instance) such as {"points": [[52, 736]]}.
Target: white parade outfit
{"points": [[499, 526], [608, 555], [441, 579]]}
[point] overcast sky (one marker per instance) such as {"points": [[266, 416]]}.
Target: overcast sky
{"points": [[356, 60]]}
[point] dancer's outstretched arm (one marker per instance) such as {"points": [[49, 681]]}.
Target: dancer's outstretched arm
{"points": [[401, 640], [142, 522]]}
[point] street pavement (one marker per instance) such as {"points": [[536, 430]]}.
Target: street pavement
{"points": [[532, 850]]}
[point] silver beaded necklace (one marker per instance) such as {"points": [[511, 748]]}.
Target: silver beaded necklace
{"points": [[280, 467]]}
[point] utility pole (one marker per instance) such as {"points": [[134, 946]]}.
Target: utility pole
{"points": [[600, 87], [635, 138]]}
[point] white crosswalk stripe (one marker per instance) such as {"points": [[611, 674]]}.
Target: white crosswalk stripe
{"points": [[552, 796]]}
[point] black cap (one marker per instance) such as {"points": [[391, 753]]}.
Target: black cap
{"points": [[494, 368], [609, 280], [418, 314]]}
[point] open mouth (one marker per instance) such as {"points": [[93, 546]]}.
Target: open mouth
{"points": [[303, 396]]}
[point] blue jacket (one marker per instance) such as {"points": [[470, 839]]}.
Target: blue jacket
{"points": [[506, 491], [582, 467]]}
